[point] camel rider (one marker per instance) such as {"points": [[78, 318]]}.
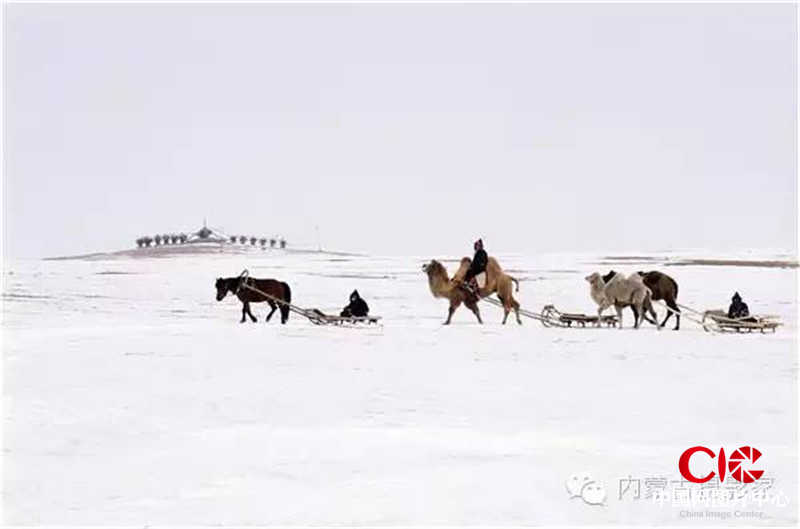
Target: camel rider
{"points": [[477, 266]]}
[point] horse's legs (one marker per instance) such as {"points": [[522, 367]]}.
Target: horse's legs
{"points": [[474, 308], [274, 307], [247, 304], [619, 315], [515, 305]]}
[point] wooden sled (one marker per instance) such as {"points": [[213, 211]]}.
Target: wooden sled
{"points": [[718, 320], [552, 317], [320, 318]]}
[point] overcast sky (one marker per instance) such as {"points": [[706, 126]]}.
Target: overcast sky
{"points": [[402, 128]]}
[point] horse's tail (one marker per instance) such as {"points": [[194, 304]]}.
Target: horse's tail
{"points": [[515, 281], [287, 297], [287, 293]]}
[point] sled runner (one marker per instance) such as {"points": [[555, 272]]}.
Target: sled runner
{"points": [[718, 320], [318, 317], [551, 317], [341, 320]]}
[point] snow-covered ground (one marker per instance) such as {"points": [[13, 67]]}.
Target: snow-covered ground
{"points": [[132, 397]]}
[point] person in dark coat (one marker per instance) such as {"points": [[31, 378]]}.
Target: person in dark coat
{"points": [[478, 266], [357, 308], [479, 262], [738, 308]]}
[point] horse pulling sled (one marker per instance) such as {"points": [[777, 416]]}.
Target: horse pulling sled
{"points": [[315, 316]]}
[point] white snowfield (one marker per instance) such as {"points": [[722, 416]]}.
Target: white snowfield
{"points": [[132, 397]]}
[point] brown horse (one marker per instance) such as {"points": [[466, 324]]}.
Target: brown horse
{"points": [[276, 289]]}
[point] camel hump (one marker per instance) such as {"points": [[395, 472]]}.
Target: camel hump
{"points": [[495, 263]]}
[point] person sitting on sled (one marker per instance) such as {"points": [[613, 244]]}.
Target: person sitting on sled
{"points": [[357, 308], [477, 267], [738, 308]]}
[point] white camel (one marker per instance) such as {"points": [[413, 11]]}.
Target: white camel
{"points": [[621, 292]]}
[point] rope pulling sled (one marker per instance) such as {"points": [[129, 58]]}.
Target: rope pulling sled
{"points": [[315, 316], [709, 320], [552, 317]]}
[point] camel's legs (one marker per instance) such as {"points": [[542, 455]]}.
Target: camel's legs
{"points": [[474, 308], [600, 309], [669, 315], [451, 310], [244, 312], [674, 306], [619, 315], [636, 315], [643, 316], [516, 310], [647, 306], [506, 308]]}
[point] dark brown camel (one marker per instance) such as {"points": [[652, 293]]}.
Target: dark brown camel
{"points": [[663, 288], [276, 289]]}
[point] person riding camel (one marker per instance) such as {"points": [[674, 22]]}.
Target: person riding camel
{"points": [[477, 267]]}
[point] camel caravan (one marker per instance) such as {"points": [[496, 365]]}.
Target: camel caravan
{"points": [[481, 277]]}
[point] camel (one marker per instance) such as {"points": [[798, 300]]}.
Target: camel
{"points": [[648, 305], [620, 292], [497, 281], [663, 287]]}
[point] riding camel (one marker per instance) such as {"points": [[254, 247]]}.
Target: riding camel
{"points": [[453, 290]]}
